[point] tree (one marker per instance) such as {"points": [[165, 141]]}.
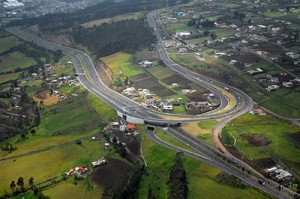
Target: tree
{"points": [[178, 184], [31, 181], [20, 183], [13, 185]]}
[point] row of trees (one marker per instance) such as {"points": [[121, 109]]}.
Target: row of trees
{"points": [[127, 35], [178, 184]]}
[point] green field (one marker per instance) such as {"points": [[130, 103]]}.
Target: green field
{"points": [[273, 14], [9, 77], [229, 5], [7, 42], [201, 176], [120, 64], [160, 72], [281, 134], [15, 60]]}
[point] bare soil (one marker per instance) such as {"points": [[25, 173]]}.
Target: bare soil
{"points": [[113, 174], [104, 72], [175, 79], [257, 140], [265, 163]]}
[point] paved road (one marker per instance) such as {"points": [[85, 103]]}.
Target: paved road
{"points": [[215, 160], [90, 80], [88, 77]]}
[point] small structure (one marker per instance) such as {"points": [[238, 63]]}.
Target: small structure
{"points": [[129, 91], [100, 162], [131, 127], [81, 171], [288, 84], [272, 88]]}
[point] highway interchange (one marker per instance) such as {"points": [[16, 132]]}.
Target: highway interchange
{"points": [[88, 77]]}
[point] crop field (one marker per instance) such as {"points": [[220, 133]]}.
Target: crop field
{"points": [[265, 137], [15, 60], [160, 72], [154, 86], [201, 176], [273, 14]]}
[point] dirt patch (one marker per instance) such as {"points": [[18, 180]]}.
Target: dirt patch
{"points": [[175, 79], [295, 137], [257, 140], [265, 163], [131, 142], [104, 72], [112, 175], [46, 98]]}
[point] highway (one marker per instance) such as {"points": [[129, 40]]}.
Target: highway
{"points": [[89, 78]]}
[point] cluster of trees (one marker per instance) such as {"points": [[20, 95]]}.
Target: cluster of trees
{"points": [[178, 184], [106, 9], [127, 35], [201, 22], [19, 187], [230, 180]]}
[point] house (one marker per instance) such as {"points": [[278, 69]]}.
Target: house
{"points": [[281, 174], [272, 88], [70, 172], [146, 64], [174, 85], [183, 34], [288, 84], [292, 55], [100, 162], [188, 91], [131, 127], [129, 91], [254, 72], [114, 125], [81, 170]]}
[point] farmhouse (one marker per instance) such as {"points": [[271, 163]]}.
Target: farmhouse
{"points": [[129, 91], [292, 55], [254, 72], [288, 84], [272, 88]]}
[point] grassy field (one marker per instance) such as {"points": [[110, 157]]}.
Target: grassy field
{"points": [[201, 176], [57, 162], [273, 14], [8, 42], [106, 112], [15, 60], [98, 22], [160, 72], [281, 134], [68, 189], [229, 5], [120, 64], [9, 77]]}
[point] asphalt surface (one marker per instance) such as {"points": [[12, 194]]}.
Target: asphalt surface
{"points": [[88, 77]]}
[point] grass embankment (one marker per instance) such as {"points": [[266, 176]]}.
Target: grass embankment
{"points": [[202, 130], [281, 138], [201, 176]]}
